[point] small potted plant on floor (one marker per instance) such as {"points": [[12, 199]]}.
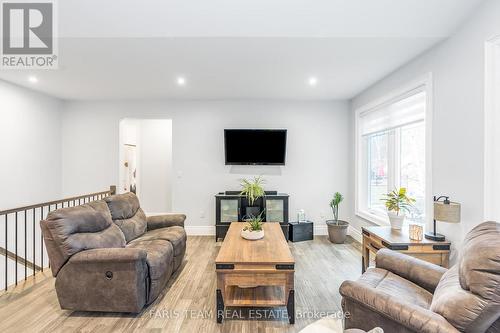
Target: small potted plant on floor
{"points": [[397, 203], [253, 230], [337, 229], [252, 190]]}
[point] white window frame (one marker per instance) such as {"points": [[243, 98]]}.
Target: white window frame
{"points": [[425, 84], [491, 124]]}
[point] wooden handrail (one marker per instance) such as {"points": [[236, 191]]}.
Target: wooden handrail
{"points": [[112, 190]]}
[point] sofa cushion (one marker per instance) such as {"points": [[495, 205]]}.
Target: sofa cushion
{"points": [[127, 214], [460, 307], [160, 256], [123, 206], [175, 235], [468, 295], [479, 263], [380, 298], [67, 231], [394, 285]]}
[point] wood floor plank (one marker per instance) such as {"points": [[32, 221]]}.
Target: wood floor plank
{"points": [[188, 302]]}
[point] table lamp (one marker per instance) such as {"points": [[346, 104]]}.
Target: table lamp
{"points": [[444, 211]]}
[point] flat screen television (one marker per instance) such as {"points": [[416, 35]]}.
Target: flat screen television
{"points": [[255, 146]]}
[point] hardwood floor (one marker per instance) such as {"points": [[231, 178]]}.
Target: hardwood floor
{"points": [[188, 303]]}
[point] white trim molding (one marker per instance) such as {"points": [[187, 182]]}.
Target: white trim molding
{"points": [[200, 230], [355, 233], [424, 83], [322, 230], [491, 125]]}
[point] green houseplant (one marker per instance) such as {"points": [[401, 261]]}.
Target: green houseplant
{"points": [[337, 229], [397, 204], [252, 190], [253, 229]]}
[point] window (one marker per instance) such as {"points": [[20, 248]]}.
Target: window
{"points": [[391, 153]]}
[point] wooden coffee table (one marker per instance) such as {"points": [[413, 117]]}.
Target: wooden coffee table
{"points": [[256, 273]]}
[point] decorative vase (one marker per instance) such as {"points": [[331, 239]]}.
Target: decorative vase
{"points": [[301, 216], [337, 231], [252, 235], [396, 220]]}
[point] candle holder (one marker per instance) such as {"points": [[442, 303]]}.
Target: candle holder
{"points": [[416, 231]]}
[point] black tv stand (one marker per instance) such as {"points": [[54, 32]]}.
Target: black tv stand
{"points": [[230, 206]]}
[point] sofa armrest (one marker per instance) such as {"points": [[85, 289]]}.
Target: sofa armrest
{"points": [[412, 316], [166, 220], [109, 255], [106, 279], [420, 272]]}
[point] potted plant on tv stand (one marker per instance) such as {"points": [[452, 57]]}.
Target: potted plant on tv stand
{"points": [[252, 190], [337, 229], [397, 203]]}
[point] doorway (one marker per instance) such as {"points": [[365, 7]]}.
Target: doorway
{"points": [[145, 162]]}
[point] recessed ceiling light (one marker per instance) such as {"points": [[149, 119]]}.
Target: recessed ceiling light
{"points": [[181, 81], [313, 81], [33, 79]]}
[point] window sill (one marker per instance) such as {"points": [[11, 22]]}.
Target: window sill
{"points": [[373, 218]]}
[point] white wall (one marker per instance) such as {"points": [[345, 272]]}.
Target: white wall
{"points": [[156, 174], [30, 146], [30, 164], [318, 162], [457, 66], [492, 135]]}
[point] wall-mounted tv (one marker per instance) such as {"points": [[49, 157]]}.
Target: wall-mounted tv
{"points": [[255, 146]]}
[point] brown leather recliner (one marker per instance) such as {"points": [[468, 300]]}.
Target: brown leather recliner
{"points": [[405, 294], [108, 256]]}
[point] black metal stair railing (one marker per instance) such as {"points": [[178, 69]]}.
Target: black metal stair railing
{"points": [[20, 219]]}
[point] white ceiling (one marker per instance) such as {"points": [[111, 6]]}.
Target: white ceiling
{"points": [[124, 49]]}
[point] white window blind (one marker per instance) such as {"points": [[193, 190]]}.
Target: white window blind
{"points": [[406, 109]]}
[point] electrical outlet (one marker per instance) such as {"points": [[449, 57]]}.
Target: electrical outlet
{"points": [[202, 215]]}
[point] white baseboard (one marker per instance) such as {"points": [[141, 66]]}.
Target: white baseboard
{"points": [[355, 233], [200, 230], [208, 230], [321, 230]]}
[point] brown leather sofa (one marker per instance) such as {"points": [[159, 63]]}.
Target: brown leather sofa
{"points": [[405, 294], [108, 256]]}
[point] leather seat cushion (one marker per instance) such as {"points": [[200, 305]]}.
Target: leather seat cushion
{"points": [[160, 257], [394, 285], [175, 235]]}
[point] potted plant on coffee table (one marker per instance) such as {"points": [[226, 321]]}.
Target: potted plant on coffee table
{"points": [[397, 203], [253, 230], [252, 190], [337, 229]]}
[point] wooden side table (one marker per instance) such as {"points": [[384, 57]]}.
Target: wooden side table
{"points": [[376, 238]]}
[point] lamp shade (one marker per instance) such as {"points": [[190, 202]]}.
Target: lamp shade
{"points": [[447, 212]]}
